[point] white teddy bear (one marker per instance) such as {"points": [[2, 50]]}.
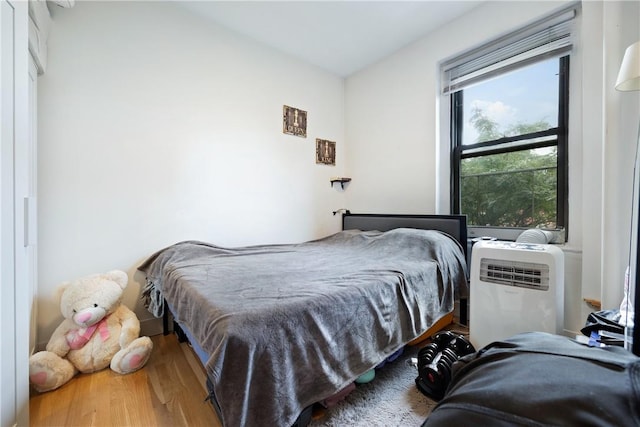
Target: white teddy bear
{"points": [[98, 331]]}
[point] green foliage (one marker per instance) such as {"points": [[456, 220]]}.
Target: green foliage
{"points": [[488, 130], [516, 189]]}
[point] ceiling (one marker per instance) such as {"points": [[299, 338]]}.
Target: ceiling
{"points": [[339, 36]]}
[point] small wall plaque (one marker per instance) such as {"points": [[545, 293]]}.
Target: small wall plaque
{"points": [[325, 152], [294, 121]]}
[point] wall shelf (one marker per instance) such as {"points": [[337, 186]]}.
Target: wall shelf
{"points": [[341, 180]]}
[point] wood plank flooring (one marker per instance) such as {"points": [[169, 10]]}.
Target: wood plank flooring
{"points": [[169, 391]]}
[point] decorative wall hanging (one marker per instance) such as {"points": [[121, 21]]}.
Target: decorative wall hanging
{"points": [[294, 121], [325, 152]]}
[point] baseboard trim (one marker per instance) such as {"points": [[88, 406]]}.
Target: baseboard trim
{"points": [[151, 327]]}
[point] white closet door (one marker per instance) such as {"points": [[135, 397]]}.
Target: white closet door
{"points": [[31, 205], [15, 290], [8, 402]]}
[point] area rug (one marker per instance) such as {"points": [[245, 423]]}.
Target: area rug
{"points": [[390, 400]]}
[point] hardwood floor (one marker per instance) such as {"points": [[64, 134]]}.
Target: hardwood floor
{"points": [[168, 391]]}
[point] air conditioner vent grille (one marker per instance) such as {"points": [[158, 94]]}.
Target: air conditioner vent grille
{"points": [[515, 273]]}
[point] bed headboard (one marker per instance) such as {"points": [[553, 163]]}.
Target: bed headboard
{"points": [[454, 225]]}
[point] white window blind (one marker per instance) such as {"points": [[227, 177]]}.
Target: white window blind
{"points": [[547, 37]]}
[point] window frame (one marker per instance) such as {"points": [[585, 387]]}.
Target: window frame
{"points": [[502, 145]]}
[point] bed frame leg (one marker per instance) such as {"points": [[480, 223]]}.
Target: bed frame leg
{"points": [[464, 313], [165, 319]]}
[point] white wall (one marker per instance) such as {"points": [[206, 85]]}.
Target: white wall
{"points": [[621, 124], [390, 116], [169, 128], [394, 135], [157, 127]]}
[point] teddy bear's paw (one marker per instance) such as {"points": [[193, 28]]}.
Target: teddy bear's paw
{"points": [[48, 371], [133, 357]]}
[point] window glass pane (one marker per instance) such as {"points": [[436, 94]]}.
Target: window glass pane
{"points": [[519, 102], [517, 189]]}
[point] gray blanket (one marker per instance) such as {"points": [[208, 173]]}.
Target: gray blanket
{"points": [[286, 326]]}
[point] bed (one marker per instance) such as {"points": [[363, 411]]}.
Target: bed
{"points": [[281, 327]]}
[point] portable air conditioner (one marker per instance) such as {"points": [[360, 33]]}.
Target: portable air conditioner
{"points": [[515, 287]]}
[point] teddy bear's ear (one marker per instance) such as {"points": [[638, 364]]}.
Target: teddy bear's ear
{"points": [[60, 289], [118, 276]]}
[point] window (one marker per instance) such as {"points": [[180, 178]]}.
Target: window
{"points": [[509, 103], [510, 133]]}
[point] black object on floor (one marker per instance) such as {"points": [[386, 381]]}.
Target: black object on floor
{"points": [[435, 361]]}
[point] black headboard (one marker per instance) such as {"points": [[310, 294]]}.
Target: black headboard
{"points": [[454, 225]]}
